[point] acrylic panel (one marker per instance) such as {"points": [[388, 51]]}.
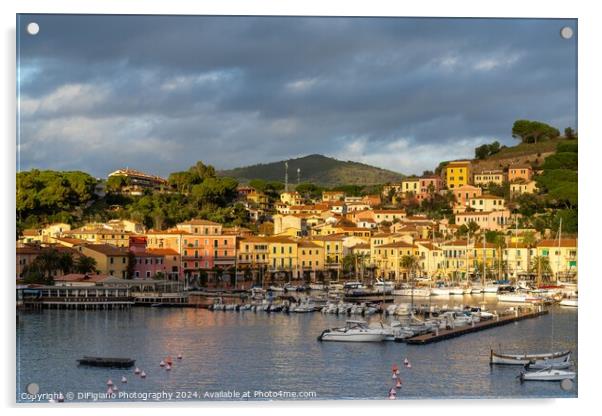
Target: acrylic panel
{"points": [[231, 208]]}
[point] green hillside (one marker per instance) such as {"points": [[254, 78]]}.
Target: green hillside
{"points": [[321, 170]]}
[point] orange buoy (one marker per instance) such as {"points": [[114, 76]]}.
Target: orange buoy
{"points": [[398, 384]]}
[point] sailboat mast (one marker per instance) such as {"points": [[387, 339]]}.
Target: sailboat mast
{"points": [[484, 260], [558, 255]]}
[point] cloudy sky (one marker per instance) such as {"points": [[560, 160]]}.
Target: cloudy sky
{"points": [[158, 93]]}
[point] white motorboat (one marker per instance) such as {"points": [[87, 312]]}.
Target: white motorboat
{"points": [[518, 298], [353, 331], [335, 286], [403, 309], [571, 302], [316, 286], [522, 359], [548, 374], [276, 288]]}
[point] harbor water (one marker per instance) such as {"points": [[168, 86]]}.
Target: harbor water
{"points": [[229, 355]]}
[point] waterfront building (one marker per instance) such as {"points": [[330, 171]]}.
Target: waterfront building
{"points": [[282, 255], [457, 174], [523, 187], [153, 263], [311, 258], [459, 260], [110, 260], [486, 220], [253, 252], [388, 259], [431, 259], [334, 250], [520, 172], [517, 256], [486, 177], [27, 253], [562, 256], [490, 253]]}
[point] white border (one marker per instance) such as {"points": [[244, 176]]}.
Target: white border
{"points": [[590, 156]]}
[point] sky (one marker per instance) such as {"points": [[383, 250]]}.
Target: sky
{"points": [[158, 93]]}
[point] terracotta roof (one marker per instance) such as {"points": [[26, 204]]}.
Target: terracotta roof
{"points": [[107, 249], [199, 222], [456, 243], [171, 231], [31, 232], [429, 246], [77, 277], [309, 244], [397, 244], [569, 242], [331, 237], [163, 251], [389, 211]]}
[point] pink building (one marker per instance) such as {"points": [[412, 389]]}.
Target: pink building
{"points": [[464, 192], [425, 185], [149, 262]]}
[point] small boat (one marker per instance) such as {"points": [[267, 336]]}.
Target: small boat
{"points": [[383, 287], [316, 286], [548, 374], [353, 331], [522, 359], [476, 289], [276, 288], [572, 302], [106, 362], [417, 292]]}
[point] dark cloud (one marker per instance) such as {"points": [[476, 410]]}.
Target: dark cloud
{"points": [[160, 92]]}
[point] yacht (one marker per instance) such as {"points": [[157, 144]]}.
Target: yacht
{"points": [[353, 331], [317, 286], [572, 302], [417, 292], [440, 291], [383, 287], [548, 374]]}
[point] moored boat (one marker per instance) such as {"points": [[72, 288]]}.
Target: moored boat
{"points": [[353, 331], [572, 302], [522, 359], [548, 374]]}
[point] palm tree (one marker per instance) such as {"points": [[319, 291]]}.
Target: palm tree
{"points": [[410, 263], [541, 266], [529, 240], [85, 264]]}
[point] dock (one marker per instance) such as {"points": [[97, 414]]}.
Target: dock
{"points": [[106, 362], [444, 334]]}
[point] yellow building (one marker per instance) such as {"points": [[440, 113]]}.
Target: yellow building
{"points": [[100, 235], [311, 256], [489, 176], [252, 251], [260, 199], [431, 259], [457, 174], [291, 198], [294, 225], [410, 185], [282, 254], [388, 259], [388, 215], [334, 249], [562, 256], [486, 203], [459, 257], [110, 260], [523, 187]]}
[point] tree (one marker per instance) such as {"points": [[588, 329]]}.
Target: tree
{"points": [[569, 133], [85, 265], [540, 265], [486, 150], [410, 263], [531, 131]]}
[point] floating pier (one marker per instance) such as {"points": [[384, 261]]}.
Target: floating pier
{"points": [[107, 362], [444, 334]]}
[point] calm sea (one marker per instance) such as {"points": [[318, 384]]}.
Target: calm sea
{"points": [[259, 356]]}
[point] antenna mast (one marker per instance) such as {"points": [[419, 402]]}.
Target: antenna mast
{"points": [[285, 176]]}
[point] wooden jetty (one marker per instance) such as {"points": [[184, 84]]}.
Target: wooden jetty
{"points": [[106, 362], [444, 334]]}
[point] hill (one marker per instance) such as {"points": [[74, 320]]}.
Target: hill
{"points": [[522, 154], [318, 169]]}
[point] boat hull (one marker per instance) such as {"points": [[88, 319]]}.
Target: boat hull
{"points": [[522, 359], [335, 336], [550, 375]]}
